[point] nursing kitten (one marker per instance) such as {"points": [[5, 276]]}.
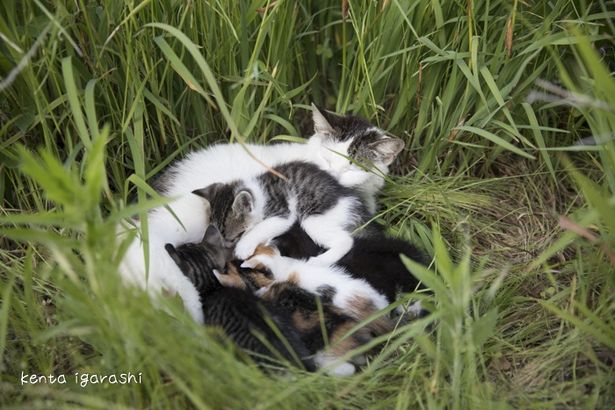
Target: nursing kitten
{"points": [[256, 210], [310, 319], [374, 258], [336, 143], [238, 312], [354, 297]]}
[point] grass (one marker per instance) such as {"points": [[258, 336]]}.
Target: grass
{"points": [[494, 99]]}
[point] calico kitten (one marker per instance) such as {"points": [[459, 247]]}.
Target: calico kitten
{"points": [[354, 297], [310, 319], [337, 144], [374, 258], [236, 311], [256, 210]]}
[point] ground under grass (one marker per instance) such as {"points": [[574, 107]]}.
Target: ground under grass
{"points": [[508, 180]]}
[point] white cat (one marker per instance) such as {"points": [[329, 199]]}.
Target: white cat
{"points": [[336, 139]]}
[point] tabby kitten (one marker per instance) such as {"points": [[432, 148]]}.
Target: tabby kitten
{"points": [[236, 311], [256, 210]]}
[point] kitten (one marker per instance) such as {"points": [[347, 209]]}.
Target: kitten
{"points": [[374, 258], [254, 211], [354, 297], [336, 141], [236, 311], [310, 319]]}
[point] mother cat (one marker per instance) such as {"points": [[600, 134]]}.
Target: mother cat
{"points": [[335, 140]]}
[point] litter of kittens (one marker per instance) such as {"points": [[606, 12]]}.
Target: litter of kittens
{"points": [[288, 267]]}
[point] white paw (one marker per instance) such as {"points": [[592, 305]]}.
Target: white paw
{"points": [[342, 370], [415, 309], [245, 249], [257, 261]]}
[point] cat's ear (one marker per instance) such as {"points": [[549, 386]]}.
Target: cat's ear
{"points": [[173, 253], [387, 149], [243, 203], [213, 237], [208, 192], [322, 121]]}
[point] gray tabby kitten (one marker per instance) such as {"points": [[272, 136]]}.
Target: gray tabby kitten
{"points": [[239, 313], [256, 210]]}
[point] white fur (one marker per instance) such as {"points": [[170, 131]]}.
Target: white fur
{"points": [[414, 310], [218, 163], [311, 277], [329, 230], [333, 365]]}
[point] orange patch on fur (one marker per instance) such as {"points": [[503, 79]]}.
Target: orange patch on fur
{"points": [[259, 278], [231, 278], [293, 278], [341, 345], [362, 307], [305, 323], [264, 250]]}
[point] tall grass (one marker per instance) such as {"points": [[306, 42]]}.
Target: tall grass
{"points": [[497, 102]]}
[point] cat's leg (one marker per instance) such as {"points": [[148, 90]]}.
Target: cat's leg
{"points": [[329, 235], [262, 232], [332, 230]]}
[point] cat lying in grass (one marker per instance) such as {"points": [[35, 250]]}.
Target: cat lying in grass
{"points": [[338, 142]]}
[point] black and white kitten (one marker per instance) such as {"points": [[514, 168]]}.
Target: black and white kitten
{"points": [[238, 312], [255, 210]]}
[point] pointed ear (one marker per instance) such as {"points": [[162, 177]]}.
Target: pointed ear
{"points": [[213, 237], [208, 192], [173, 253], [250, 263], [387, 149], [321, 123], [243, 203]]}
